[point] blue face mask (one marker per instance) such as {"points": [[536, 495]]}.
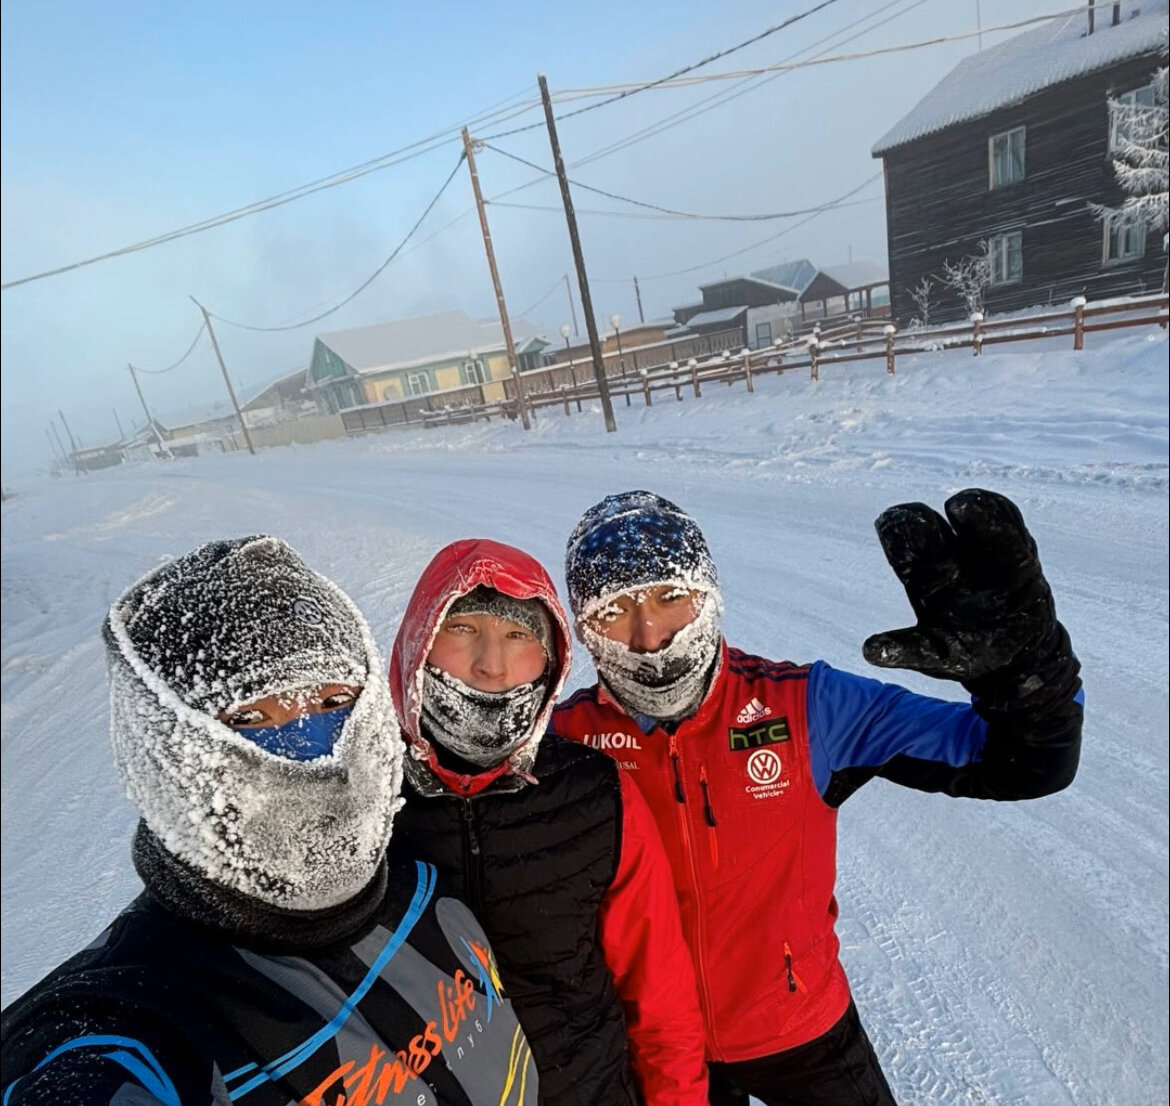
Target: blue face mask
{"points": [[306, 737]]}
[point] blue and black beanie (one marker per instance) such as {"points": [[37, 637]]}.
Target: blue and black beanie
{"points": [[632, 540]]}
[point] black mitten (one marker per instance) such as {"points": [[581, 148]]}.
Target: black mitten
{"points": [[985, 612]]}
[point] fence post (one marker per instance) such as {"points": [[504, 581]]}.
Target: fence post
{"points": [[976, 333], [565, 396], [889, 330], [1078, 306], [646, 387], [747, 369], [694, 367], [673, 366], [814, 348]]}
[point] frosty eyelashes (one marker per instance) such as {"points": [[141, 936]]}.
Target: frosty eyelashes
{"points": [[285, 706]]}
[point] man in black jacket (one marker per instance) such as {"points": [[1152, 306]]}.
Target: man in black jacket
{"points": [[273, 957]]}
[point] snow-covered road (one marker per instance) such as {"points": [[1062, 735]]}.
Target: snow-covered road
{"points": [[1000, 953]]}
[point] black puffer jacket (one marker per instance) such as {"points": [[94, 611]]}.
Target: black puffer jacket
{"points": [[534, 862]]}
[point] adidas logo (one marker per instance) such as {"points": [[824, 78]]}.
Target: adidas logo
{"points": [[753, 711]]}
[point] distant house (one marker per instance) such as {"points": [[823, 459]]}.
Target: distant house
{"points": [[626, 338], [1010, 148], [417, 356], [280, 400], [764, 304], [194, 430]]}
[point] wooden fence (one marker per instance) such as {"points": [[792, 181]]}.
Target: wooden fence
{"points": [[855, 340]]}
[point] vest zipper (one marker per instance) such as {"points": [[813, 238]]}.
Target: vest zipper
{"points": [[471, 872], [679, 794], [688, 845]]}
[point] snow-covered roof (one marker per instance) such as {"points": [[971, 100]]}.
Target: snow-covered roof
{"points": [[720, 315], [858, 274], [1011, 71], [284, 387], [196, 415], [401, 343], [797, 275]]}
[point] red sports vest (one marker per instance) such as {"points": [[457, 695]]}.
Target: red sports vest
{"points": [[752, 847]]}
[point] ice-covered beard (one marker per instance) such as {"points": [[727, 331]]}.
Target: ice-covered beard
{"points": [[670, 683], [482, 727]]}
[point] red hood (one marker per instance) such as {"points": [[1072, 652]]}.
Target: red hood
{"points": [[454, 571]]}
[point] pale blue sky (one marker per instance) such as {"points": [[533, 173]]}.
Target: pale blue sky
{"points": [[126, 120]]}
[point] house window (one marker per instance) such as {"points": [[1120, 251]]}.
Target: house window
{"points": [[1127, 114], [418, 383], [473, 372], [1006, 157], [1123, 242], [1007, 258], [763, 335]]}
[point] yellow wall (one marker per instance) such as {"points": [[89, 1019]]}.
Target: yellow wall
{"points": [[497, 366], [447, 377], [493, 391], [381, 389]]}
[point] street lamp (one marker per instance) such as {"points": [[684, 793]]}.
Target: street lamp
{"points": [[572, 368], [615, 322]]}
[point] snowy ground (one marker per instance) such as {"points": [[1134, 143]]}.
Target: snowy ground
{"points": [[1000, 953]]}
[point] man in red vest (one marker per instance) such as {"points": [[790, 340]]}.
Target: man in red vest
{"points": [[744, 761]]}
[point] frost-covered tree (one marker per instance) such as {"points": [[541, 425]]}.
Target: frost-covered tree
{"points": [[1138, 126], [970, 278], [920, 296]]}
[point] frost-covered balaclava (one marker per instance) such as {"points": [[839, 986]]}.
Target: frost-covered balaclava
{"points": [[229, 623], [485, 727], [625, 545]]}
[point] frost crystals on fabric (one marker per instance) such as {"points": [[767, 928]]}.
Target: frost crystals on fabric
{"points": [[302, 835], [482, 727], [670, 683]]}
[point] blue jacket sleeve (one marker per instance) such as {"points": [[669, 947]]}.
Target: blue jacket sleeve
{"points": [[859, 728], [858, 723]]}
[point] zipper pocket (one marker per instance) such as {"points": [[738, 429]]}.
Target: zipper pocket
{"points": [[679, 794], [795, 983], [709, 817]]}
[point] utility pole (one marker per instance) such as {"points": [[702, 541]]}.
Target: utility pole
{"points": [[118, 423], [57, 458], [146, 411], [638, 297], [579, 259], [60, 444], [513, 363], [572, 308], [226, 378], [72, 442]]}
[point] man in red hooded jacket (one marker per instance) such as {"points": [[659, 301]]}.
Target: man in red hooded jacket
{"points": [[744, 761], [551, 846]]}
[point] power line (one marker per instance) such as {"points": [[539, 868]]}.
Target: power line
{"points": [[678, 72], [190, 350], [669, 218], [739, 74], [555, 286], [403, 154], [755, 245], [747, 84], [723, 96], [365, 283], [673, 212]]}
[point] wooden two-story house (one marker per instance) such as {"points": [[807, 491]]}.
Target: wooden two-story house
{"points": [[1011, 149]]}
